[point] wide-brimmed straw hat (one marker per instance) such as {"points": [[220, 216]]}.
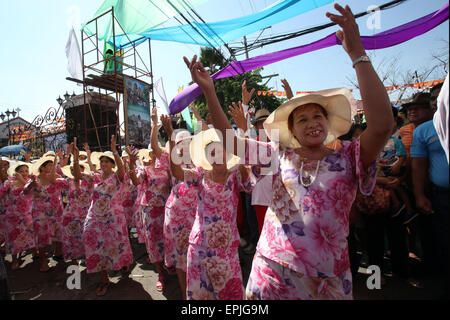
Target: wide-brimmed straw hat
{"points": [[197, 149], [336, 102], [261, 114], [182, 135], [144, 155], [67, 172], [12, 169], [49, 153], [95, 159], [39, 162]]}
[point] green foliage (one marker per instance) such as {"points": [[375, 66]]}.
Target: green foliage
{"points": [[230, 89]]}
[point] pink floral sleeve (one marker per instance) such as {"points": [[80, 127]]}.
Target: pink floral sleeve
{"points": [[366, 176], [263, 159], [193, 176]]}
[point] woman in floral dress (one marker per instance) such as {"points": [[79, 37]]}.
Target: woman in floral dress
{"points": [[180, 211], [18, 222], [213, 268], [302, 252], [105, 236], [74, 215], [4, 166], [154, 182], [47, 208]]}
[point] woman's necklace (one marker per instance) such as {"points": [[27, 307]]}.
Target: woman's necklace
{"points": [[308, 181]]}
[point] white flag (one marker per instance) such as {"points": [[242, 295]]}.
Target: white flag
{"points": [[73, 54], [159, 86]]}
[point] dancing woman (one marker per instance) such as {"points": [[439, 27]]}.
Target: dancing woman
{"points": [[154, 183], [79, 187], [47, 208], [302, 252], [180, 206], [105, 234], [17, 221]]}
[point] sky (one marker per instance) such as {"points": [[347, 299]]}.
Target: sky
{"points": [[35, 33]]}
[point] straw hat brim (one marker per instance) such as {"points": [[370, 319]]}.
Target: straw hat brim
{"points": [[144, 155], [197, 150], [66, 170], [335, 101], [95, 159], [12, 169], [36, 165]]}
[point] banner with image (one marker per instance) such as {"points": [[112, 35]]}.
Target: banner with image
{"points": [[136, 105]]}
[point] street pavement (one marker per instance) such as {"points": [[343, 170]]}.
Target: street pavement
{"points": [[28, 283]]}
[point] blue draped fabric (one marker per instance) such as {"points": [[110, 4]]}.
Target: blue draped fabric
{"points": [[218, 33]]}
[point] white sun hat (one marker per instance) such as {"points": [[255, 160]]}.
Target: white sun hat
{"points": [[337, 103]]}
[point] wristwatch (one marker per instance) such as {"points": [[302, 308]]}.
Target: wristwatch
{"points": [[361, 59]]}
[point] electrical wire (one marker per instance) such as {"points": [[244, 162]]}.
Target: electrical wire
{"points": [[283, 37]]}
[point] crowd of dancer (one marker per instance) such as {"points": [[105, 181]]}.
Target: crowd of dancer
{"points": [[303, 180]]}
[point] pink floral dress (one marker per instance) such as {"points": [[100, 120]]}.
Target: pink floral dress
{"points": [[179, 218], [47, 212], [74, 215], [137, 210], [17, 220], [2, 214], [155, 190], [129, 196], [213, 269], [303, 252], [105, 234]]}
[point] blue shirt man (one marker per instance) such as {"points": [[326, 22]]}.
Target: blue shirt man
{"points": [[426, 144]]}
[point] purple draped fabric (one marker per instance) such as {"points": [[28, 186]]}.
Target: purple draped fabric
{"points": [[380, 40]]}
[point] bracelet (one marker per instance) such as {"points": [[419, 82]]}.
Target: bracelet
{"points": [[361, 59]]}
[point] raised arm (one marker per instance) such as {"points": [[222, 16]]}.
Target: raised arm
{"points": [[287, 89], [133, 155], [154, 134], [92, 167], [219, 119], [120, 169], [176, 169], [377, 106], [76, 161], [198, 117], [240, 117]]}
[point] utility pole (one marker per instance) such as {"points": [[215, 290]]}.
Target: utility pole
{"points": [[245, 47]]}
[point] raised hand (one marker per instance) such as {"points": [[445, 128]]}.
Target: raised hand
{"points": [[287, 88], [167, 124], [75, 150], [113, 144], [154, 115], [246, 96], [240, 118], [349, 35], [199, 74], [195, 112], [133, 156], [20, 178], [86, 148]]}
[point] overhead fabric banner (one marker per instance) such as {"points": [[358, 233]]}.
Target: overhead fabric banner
{"points": [[215, 34], [380, 40], [134, 16], [425, 84]]}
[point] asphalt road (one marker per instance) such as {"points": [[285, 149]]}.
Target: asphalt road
{"points": [[28, 283]]}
